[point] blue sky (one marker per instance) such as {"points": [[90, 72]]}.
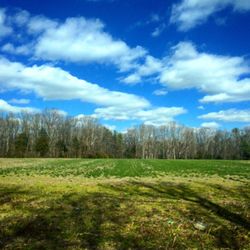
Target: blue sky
{"points": [[128, 62]]}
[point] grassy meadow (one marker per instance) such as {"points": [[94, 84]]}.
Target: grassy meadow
{"points": [[124, 204]]}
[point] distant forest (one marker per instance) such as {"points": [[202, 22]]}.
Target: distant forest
{"points": [[50, 134]]}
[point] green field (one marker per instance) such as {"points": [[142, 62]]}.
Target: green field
{"points": [[124, 204]]}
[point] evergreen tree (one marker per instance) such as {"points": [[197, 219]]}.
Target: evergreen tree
{"points": [[245, 145], [62, 148], [42, 143], [75, 146], [21, 144]]}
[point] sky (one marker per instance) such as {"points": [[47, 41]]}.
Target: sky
{"points": [[128, 62]]}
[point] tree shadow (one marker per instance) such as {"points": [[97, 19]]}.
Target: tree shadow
{"points": [[34, 219], [227, 227], [183, 192], [66, 221]]}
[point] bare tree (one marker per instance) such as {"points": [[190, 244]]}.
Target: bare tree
{"points": [[54, 135]]}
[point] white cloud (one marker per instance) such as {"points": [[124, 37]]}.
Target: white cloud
{"points": [[18, 50], [230, 115], [221, 78], [151, 66], [4, 28], [5, 107], [77, 40], [213, 125], [53, 83], [85, 40], [218, 76], [160, 92], [82, 40], [154, 116], [132, 79], [39, 24], [58, 111], [189, 13], [159, 116], [110, 127], [19, 101], [81, 116]]}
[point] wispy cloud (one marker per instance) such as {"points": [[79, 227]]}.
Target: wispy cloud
{"points": [[213, 125], [19, 101], [154, 116], [158, 30], [230, 115], [18, 50], [6, 107], [5, 29], [160, 92], [189, 13]]}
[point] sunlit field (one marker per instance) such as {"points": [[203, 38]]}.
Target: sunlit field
{"points": [[124, 204]]}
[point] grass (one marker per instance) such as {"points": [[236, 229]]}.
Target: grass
{"points": [[124, 204], [120, 168]]}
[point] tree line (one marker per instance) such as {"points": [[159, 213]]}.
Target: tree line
{"points": [[50, 134]]}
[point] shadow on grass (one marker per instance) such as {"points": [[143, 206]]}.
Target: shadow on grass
{"points": [[228, 228], [113, 219], [64, 221], [182, 192]]}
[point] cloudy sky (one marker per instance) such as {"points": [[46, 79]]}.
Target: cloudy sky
{"points": [[128, 62]]}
